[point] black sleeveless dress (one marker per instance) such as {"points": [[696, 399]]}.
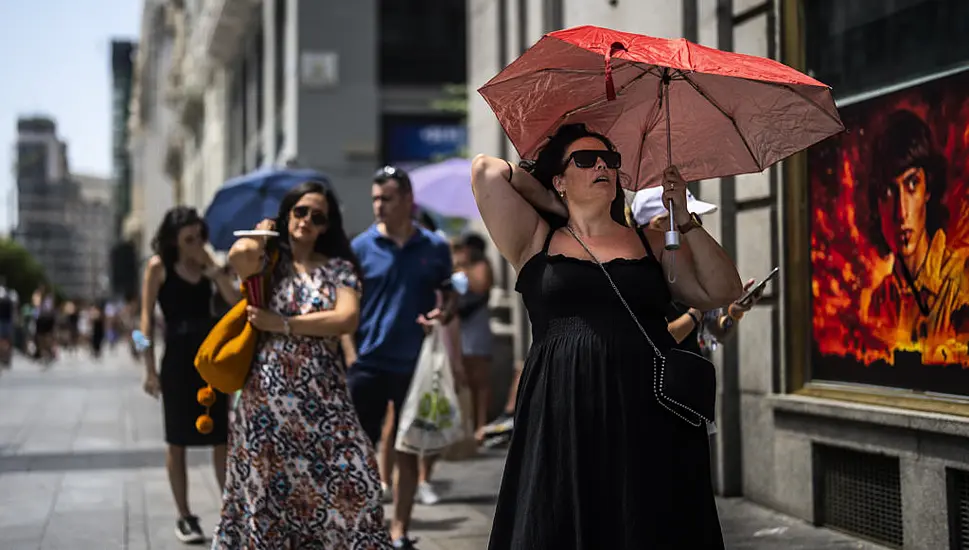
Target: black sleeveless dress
{"points": [[187, 309], [595, 462]]}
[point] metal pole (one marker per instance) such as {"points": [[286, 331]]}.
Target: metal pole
{"points": [[672, 236]]}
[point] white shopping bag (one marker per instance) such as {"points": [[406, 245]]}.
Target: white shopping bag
{"points": [[430, 419]]}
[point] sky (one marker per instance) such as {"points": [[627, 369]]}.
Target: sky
{"points": [[56, 62]]}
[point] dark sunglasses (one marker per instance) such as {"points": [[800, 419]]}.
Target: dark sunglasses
{"points": [[318, 218], [587, 158]]}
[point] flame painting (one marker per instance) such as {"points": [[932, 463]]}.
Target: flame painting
{"points": [[889, 203]]}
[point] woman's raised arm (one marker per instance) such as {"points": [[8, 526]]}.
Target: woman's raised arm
{"points": [[509, 199]]}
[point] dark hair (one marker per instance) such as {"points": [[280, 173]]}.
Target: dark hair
{"points": [[476, 245], [399, 175], [906, 142], [333, 242], [550, 163], [165, 241], [427, 221]]}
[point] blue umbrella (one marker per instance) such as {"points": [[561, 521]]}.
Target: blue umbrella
{"points": [[244, 201]]}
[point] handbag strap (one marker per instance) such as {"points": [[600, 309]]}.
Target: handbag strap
{"points": [[616, 289]]}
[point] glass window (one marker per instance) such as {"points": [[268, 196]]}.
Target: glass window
{"points": [[863, 45], [422, 41]]}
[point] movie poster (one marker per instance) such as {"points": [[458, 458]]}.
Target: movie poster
{"points": [[889, 203]]}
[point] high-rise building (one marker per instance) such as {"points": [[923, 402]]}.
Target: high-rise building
{"points": [[124, 268], [65, 222], [43, 191]]}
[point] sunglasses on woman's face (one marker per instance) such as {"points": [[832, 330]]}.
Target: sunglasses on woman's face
{"points": [[587, 158], [318, 218]]}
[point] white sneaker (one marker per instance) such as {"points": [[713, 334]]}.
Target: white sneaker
{"points": [[426, 494]]}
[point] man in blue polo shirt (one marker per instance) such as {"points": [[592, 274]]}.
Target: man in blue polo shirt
{"points": [[404, 266]]}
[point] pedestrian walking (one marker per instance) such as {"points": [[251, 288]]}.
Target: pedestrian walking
{"points": [[404, 266], [97, 321], [302, 473], [8, 316], [620, 470], [475, 315], [45, 320], [180, 278]]}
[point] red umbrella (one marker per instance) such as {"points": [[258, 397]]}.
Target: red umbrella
{"points": [[712, 113]]}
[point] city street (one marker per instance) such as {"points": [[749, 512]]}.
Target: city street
{"points": [[82, 468]]}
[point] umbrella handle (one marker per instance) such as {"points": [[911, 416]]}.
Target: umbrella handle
{"points": [[672, 236]]}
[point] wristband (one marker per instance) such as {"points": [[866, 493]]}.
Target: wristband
{"points": [[511, 171], [696, 321]]}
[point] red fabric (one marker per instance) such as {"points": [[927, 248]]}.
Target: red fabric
{"points": [[730, 113]]}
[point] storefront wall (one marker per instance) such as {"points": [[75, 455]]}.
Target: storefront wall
{"points": [[868, 432], [785, 415]]}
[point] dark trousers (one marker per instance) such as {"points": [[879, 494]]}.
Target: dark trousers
{"points": [[370, 390]]}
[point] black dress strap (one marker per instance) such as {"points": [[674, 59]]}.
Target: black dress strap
{"points": [[645, 241], [548, 239]]}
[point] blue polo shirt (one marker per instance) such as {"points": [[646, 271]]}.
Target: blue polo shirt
{"points": [[399, 284]]}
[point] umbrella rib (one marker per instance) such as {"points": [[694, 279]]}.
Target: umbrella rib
{"points": [[601, 101], [556, 70], [805, 98], [728, 116], [605, 100]]}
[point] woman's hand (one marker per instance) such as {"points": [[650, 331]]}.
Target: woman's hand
{"points": [[674, 188], [152, 384], [265, 320], [266, 224], [736, 310]]}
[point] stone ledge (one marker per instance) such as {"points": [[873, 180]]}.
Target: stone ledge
{"points": [[872, 414]]}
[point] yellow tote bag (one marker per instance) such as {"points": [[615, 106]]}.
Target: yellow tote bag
{"points": [[224, 358]]}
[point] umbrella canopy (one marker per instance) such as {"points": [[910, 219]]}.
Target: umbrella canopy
{"points": [[711, 113], [244, 201], [445, 188]]}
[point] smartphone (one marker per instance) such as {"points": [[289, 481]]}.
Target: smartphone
{"points": [[757, 288]]}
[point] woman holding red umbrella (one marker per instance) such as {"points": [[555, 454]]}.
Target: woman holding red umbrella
{"points": [[595, 461]]}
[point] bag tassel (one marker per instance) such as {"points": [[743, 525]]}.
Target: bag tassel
{"points": [[206, 397]]}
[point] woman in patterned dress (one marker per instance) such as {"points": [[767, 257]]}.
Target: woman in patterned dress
{"points": [[302, 473]]}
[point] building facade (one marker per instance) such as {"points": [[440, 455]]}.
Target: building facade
{"points": [[43, 183], [253, 84], [152, 130], [91, 215], [843, 397], [65, 222], [123, 260]]}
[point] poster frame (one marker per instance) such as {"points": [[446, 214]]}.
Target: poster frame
{"points": [[797, 317]]}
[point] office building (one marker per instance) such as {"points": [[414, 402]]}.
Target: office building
{"points": [[124, 269], [341, 88]]}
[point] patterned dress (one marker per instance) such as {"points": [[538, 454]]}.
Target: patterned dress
{"points": [[301, 472]]}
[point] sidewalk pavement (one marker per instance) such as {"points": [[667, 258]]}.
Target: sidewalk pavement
{"points": [[82, 468]]}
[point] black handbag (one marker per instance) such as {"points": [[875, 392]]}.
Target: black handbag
{"points": [[684, 383]]}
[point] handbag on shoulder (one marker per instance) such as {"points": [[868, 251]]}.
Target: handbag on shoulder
{"points": [[684, 383]]}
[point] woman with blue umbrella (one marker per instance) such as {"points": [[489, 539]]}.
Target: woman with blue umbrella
{"points": [[246, 200]]}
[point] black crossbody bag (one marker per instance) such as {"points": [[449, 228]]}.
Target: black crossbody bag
{"points": [[684, 383]]}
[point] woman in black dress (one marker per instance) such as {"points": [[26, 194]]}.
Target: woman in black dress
{"points": [[179, 278], [595, 462]]}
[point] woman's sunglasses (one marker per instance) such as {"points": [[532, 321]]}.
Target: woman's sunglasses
{"points": [[587, 158], [318, 218]]}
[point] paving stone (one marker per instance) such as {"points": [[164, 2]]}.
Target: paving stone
{"points": [[82, 467]]}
